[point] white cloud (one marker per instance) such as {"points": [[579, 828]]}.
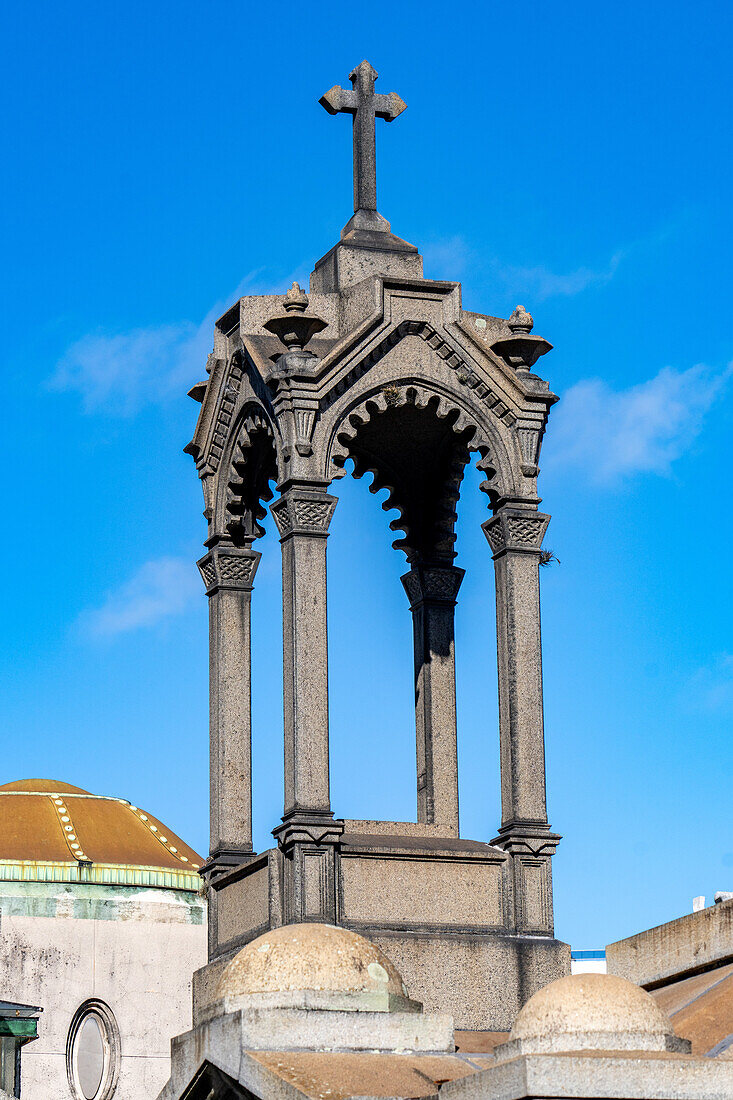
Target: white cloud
{"points": [[538, 283], [446, 258], [118, 373], [711, 689], [614, 434], [158, 590], [453, 257]]}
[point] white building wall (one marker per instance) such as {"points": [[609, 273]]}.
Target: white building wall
{"points": [[588, 962], [139, 962]]}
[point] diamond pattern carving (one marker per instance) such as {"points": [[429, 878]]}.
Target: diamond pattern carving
{"points": [[516, 531], [304, 514], [432, 583], [526, 532], [312, 514], [223, 568], [235, 569], [208, 572]]}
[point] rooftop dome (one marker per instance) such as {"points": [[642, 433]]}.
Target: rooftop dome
{"points": [[310, 957], [592, 1012], [54, 832], [318, 987]]}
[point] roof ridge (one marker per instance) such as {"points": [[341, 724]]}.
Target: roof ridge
{"points": [[70, 794]]}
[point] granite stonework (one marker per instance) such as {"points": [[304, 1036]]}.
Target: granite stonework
{"points": [[594, 1035], [381, 367], [321, 1012], [693, 944]]}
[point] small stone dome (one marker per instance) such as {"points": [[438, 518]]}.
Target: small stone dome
{"points": [[310, 957], [592, 1012]]}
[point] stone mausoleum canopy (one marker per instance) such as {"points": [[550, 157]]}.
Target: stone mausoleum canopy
{"points": [[55, 832], [379, 370]]}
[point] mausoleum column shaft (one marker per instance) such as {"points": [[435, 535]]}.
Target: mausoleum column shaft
{"points": [[303, 514], [515, 536], [228, 574], [432, 591]]}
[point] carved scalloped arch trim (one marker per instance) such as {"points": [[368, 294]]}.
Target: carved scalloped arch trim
{"points": [[493, 458], [252, 422], [430, 533]]}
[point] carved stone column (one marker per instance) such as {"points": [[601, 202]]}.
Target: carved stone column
{"points": [[432, 591], [515, 536], [228, 574], [308, 833]]}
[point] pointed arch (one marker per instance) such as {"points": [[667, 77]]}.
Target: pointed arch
{"points": [[416, 441], [251, 464]]}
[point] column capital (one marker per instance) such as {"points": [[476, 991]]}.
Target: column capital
{"points": [[229, 568], [436, 583], [303, 511], [516, 530]]}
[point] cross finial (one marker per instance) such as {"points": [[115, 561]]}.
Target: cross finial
{"points": [[365, 105]]}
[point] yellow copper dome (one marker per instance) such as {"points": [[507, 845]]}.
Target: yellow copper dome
{"points": [[45, 823]]}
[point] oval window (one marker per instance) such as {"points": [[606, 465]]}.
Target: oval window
{"points": [[90, 1057], [93, 1052]]}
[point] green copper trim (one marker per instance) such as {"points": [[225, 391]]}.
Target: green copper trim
{"points": [[20, 1029], [106, 874]]}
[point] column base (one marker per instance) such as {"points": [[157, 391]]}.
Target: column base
{"points": [[308, 827], [468, 926], [527, 837], [223, 860], [308, 840]]}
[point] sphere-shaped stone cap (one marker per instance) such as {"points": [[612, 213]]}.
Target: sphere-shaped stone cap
{"points": [[593, 1012], [310, 957]]}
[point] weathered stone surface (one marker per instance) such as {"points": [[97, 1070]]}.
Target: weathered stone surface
{"points": [[595, 1035], [132, 949], [695, 942], [478, 979], [432, 592], [228, 575], [590, 1012], [319, 957], [601, 1075], [382, 368], [449, 892], [243, 905]]}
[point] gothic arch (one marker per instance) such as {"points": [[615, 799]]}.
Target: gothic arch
{"points": [[416, 441], [251, 464]]}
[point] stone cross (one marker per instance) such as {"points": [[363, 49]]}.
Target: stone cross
{"points": [[365, 105]]}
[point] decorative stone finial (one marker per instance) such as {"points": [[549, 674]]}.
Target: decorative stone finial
{"points": [[520, 321], [521, 350], [293, 327], [296, 300]]}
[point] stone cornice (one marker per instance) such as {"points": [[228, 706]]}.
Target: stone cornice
{"points": [[308, 827], [527, 838]]}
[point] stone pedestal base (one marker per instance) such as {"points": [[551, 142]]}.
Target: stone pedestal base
{"points": [[469, 926]]}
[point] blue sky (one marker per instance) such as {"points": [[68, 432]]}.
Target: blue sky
{"points": [[163, 158]]}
